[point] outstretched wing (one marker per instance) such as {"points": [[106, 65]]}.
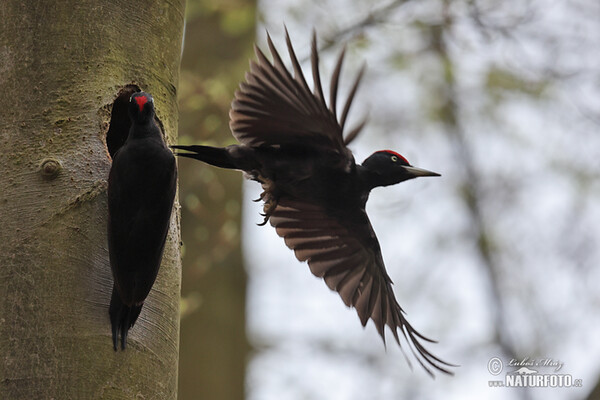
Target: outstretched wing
{"points": [[272, 107], [348, 257]]}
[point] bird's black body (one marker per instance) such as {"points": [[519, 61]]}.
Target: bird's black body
{"points": [[141, 191], [315, 194]]}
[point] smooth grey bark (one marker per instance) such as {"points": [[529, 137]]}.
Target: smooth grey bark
{"points": [[62, 64]]}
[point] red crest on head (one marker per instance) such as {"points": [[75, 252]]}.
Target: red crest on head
{"points": [[395, 154], [141, 100]]}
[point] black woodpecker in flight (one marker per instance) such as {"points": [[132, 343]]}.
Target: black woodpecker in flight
{"points": [[141, 190], [293, 143]]}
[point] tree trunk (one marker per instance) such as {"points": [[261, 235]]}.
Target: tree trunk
{"points": [[214, 347], [62, 64]]}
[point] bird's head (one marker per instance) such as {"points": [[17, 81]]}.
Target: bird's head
{"points": [[141, 107], [387, 167]]}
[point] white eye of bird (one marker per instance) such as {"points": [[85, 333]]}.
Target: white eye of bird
{"points": [[394, 158]]}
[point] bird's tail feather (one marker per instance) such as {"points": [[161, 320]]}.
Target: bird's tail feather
{"points": [[122, 318], [219, 157]]}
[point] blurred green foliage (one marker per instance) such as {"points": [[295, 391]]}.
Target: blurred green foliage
{"points": [[501, 80]]}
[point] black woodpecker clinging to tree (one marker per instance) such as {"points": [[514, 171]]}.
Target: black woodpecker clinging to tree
{"points": [[292, 142], [141, 191]]}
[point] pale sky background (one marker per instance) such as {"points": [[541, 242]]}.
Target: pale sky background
{"points": [[537, 159]]}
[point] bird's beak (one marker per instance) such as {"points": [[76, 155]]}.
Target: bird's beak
{"points": [[414, 171]]}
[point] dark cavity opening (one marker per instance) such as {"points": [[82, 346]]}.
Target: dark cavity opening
{"points": [[119, 120]]}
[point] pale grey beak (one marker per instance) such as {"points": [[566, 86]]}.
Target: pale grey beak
{"points": [[414, 171]]}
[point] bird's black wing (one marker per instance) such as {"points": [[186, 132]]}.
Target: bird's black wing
{"points": [[348, 257], [273, 107], [139, 216]]}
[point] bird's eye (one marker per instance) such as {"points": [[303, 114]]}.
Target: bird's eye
{"points": [[394, 158]]}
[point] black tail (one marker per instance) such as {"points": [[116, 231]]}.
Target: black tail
{"points": [[217, 156], [122, 318]]}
